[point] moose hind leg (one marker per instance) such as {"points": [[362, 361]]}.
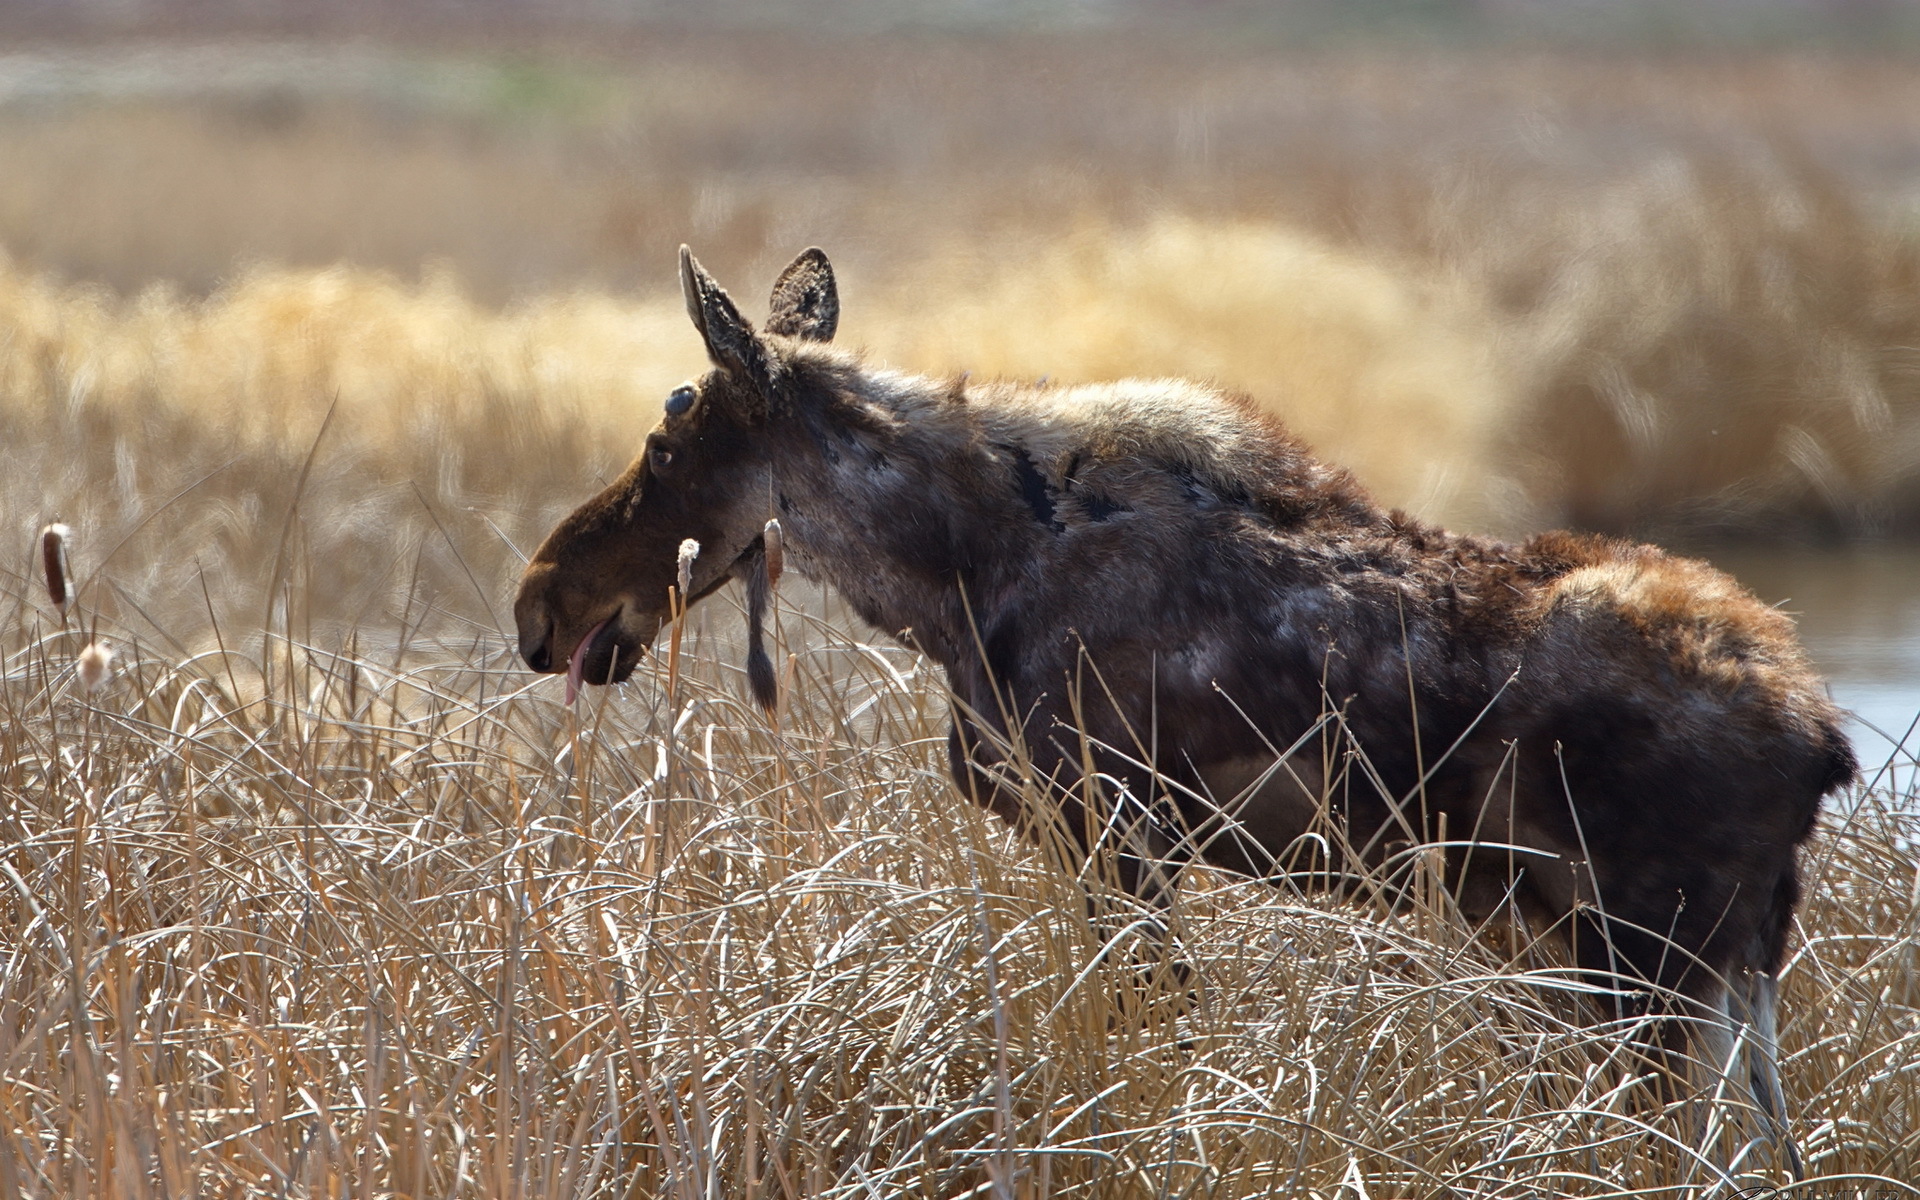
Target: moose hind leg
{"points": [[1753, 1013], [1707, 1029], [1623, 965], [1736, 1078]]}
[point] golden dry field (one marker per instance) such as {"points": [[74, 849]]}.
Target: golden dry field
{"points": [[320, 893]]}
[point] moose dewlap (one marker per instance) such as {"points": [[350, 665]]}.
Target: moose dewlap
{"points": [[1625, 747]]}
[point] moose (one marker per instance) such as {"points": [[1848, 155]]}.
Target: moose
{"points": [[1149, 592]]}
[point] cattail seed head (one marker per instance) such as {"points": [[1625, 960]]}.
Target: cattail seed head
{"points": [[776, 552], [53, 555], [94, 666], [689, 550]]}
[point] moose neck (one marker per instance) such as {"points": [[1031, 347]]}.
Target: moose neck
{"points": [[886, 491]]}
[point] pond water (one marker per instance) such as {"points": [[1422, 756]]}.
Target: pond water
{"points": [[1858, 609]]}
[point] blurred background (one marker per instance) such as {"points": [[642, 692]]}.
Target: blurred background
{"points": [[318, 316]]}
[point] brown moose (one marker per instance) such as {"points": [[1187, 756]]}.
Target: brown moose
{"points": [[1153, 577]]}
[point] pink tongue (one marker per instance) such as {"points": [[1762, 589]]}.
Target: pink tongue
{"points": [[578, 662]]}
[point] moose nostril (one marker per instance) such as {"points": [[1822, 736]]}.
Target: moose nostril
{"points": [[541, 657]]}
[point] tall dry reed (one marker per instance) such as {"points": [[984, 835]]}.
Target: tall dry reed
{"points": [[427, 932]]}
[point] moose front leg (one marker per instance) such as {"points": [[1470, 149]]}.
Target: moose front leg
{"points": [[982, 776], [1092, 827], [1080, 820]]}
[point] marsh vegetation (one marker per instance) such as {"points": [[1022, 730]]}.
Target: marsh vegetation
{"points": [[320, 893]]}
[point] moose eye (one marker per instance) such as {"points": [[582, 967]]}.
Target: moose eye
{"points": [[680, 400]]}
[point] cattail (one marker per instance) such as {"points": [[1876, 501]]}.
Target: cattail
{"points": [[776, 552], [689, 550], [94, 665], [53, 553]]}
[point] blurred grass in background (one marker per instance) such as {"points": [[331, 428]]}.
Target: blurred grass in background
{"points": [[1668, 291]]}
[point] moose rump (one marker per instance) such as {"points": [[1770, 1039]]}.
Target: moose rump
{"points": [[1153, 578]]}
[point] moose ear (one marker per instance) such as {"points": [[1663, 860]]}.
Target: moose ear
{"points": [[806, 305], [731, 342]]}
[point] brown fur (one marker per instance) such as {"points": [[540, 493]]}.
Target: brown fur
{"points": [[1647, 734]]}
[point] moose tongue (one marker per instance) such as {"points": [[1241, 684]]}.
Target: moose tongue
{"points": [[577, 664]]}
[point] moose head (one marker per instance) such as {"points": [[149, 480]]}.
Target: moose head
{"points": [[597, 590]]}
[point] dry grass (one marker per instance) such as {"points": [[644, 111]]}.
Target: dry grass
{"points": [[424, 932]]}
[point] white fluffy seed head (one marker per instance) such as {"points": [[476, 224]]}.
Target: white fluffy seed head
{"points": [[53, 555], [689, 550], [94, 666]]}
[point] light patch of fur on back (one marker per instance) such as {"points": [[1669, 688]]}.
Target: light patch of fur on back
{"points": [[1219, 438], [1713, 630], [1173, 421], [891, 397]]}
